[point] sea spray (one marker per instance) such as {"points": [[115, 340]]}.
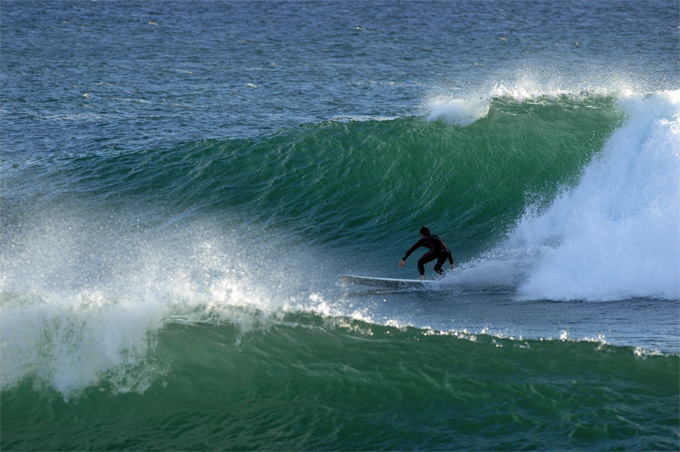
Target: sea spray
{"points": [[615, 235], [461, 112], [82, 303]]}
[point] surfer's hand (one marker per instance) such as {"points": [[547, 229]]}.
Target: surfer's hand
{"points": [[401, 263], [452, 266]]}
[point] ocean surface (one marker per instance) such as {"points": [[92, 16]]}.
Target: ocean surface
{"points": [[181, 183]]}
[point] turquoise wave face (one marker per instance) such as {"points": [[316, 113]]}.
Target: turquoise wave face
{"points": [[311, 381], [337, 181]]}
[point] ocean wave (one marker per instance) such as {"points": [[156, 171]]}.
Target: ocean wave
{"points": [[337, 375], [349, 179]]}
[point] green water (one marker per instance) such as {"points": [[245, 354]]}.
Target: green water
{"points": [[310, 381], [336, 181]]}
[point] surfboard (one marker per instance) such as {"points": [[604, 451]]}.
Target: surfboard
{"points": [[390, 283]]}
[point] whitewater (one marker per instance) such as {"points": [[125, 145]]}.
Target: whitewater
{"points": [[621, 223], [614, 235]]}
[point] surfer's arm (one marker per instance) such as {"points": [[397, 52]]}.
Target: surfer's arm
{"points": [[419, 243]]}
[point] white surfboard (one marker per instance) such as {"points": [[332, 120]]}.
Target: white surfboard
{"points": [[390, 283]]}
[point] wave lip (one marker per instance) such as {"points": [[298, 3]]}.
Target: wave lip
{"points": [[461, 112]]}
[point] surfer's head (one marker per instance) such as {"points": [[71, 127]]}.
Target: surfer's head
{"points": [[424, 231]]}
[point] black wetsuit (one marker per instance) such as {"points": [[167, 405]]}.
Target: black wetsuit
{"points": [[438, 250]]}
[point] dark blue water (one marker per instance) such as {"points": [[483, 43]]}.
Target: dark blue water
{"points": [[109, 76]]}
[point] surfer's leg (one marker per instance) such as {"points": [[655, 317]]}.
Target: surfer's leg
{"points": [[421, 267], [440, 261], [427, 257]]}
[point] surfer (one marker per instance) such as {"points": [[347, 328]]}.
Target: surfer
{"points": [[438, 250]]}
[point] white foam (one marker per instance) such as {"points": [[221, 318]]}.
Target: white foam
{"points": [[616, 235], [461, 112]]}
